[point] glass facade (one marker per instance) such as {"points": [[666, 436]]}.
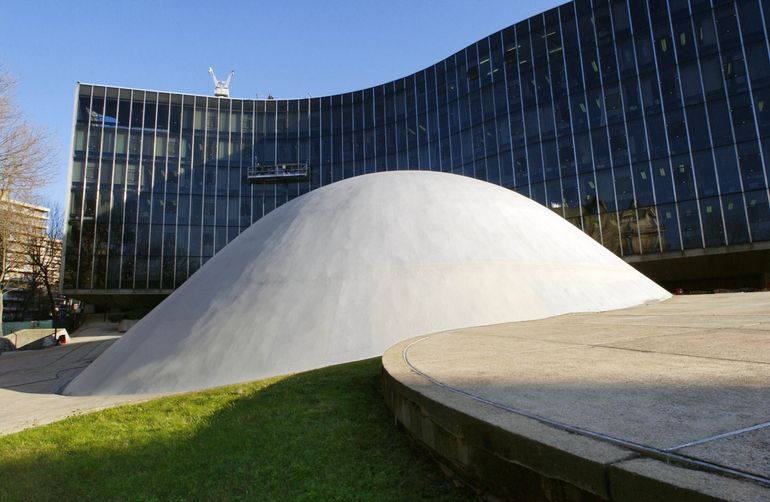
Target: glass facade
{"points": [[646, 123]]}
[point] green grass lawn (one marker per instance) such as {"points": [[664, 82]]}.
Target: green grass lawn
{"points": [[320, 435]]}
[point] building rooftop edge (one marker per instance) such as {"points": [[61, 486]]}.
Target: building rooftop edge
{"points": [[335, 94]]}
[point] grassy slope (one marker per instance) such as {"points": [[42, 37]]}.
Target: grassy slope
{"points": [[320, 435]]}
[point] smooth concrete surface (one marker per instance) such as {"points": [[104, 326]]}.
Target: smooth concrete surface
{"points": [[680, 390], [30, 379], [341, 273]]}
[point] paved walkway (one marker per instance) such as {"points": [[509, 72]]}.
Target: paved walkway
{"points": [[30, 378], [685, 381]]}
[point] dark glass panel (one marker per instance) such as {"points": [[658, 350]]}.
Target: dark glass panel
{"points": [[579, 113], [643, 184], [734, 71], [537, 192], [587, 187], [669, 227], [89, 203], [661, 178], [758, 65], [765, 142], [220, 238], [637, 140], [645, 59], [570, 194], [546, 123], [743, 118], [527, 84], [181, 270], [167, 272], [698, 128], [156, 240], [606, 190], [705, 175], [727, 26], [154, 272], [596, 114], [669, 87], [719, 116], [713, 229], [562, 118], [631, 99], [712, 77], [207, 240], [521, 171], [677, 132], [220, 211], [626, 56], [691, 84], [620, 18], [624, 188], [750, 20], [583, 155], [140, 272], [705, 34], [750, 163], [534, 159], [550, 160], [100, 272], [759, 215], [493, 169], [727, 169], [684, 41], [613, 103], [196, 233], [683, 177], [566, 155], [689, 222], [735, 219], [618, 144], [648, 83], [601, 153]]}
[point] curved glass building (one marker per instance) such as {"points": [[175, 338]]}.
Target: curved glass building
{"points": [[646, 123]]}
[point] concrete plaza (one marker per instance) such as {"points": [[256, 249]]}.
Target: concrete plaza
{"points": [[29, 379], [671, 396]]}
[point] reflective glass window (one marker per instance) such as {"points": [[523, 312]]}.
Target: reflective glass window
{"points": [[735, 219], [689, 223], [759, 214], [705, 174], [713, 229], [643, 184], [750, 163], [669, 227], [727, 169], [698, 127]]}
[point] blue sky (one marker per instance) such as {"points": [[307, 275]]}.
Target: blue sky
{"points": [[288, 48]]}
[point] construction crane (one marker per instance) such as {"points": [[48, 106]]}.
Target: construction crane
{"points": [[221, 87]]}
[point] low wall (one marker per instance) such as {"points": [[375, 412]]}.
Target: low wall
{"points": [[513, 457], [13, 326], [35, 338]]}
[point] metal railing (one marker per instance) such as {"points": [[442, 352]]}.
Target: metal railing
{"points": [[277, 172]]}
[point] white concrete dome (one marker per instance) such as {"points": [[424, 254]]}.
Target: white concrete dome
{"points": [[346, 270]]}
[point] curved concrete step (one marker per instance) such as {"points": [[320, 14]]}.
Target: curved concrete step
{"points": [[658, 402]]}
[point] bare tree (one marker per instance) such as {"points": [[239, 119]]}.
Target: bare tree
{"points": [[43, 252], [24, 168]]}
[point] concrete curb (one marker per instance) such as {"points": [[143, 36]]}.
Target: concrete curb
{"points": [[520, 458]]}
